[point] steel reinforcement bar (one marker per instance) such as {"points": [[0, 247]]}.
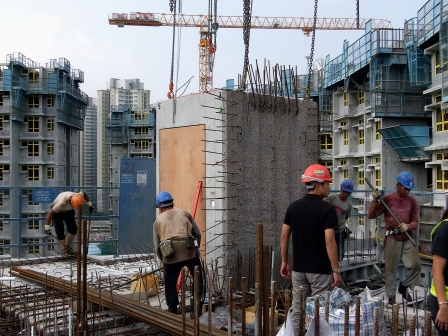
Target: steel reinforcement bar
{"points": [[158, 318]]}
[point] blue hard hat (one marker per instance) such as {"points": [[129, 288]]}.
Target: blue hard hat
{"points": [[347, 185], [406, 180], [164, 199]]}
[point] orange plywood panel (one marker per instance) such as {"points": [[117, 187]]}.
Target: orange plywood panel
{"points": [[182, 166]]}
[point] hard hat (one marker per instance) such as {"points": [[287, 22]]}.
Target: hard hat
{"points": [[164, 199], [77, 201], [347, 185], [406, 180], [316, 173]]}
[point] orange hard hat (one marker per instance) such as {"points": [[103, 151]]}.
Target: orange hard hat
{"points": [[77, 201], [316, 173]]}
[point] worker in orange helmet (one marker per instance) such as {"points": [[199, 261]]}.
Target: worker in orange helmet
{"points": [[63, 210], [311, 222]]}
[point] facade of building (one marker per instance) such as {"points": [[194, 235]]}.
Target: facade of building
{"points": [[382, 111], [42, 112], [89, 146], [125, 123]]}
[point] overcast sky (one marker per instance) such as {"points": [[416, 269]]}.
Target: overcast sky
{"points": [[79, 31]]}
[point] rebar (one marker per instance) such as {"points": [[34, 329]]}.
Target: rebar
{"points": [[357, 316], [316, 315]]}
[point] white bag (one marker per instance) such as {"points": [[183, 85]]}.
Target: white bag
{"points": [[286, 329], [324, 328]]}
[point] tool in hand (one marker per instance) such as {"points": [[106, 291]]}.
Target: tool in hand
{"points": [[390, 211]]}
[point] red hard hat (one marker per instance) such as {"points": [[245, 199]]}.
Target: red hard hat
{"points": [[316, 173], [77, 201]]}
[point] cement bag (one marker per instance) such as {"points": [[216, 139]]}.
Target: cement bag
{"points": [[336, 318], [286, 329]]}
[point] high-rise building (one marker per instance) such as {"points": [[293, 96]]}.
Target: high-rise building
{"points": [[89, 147], [42, 112], [125, 122]]}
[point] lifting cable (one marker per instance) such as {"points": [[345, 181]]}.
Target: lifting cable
{"points": [[310, 64], [170, 93], [247, 12]]}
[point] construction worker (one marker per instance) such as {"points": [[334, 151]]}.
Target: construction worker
{"points": [[63, 210], [311, 222], [343, 206], [176, 240], [397, 244], [437, 301]]}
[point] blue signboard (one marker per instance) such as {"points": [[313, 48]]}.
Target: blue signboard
{"points": [[44, 195], [137, 202]]}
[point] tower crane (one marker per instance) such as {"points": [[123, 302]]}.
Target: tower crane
{"points": [[258, 22]]}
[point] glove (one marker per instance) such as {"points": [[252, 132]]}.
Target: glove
{"points": [[48, 229], [91, 207], [376, 194], [403, 227]]}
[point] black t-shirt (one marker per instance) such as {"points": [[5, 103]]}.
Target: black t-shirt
{"points": [[440, 246], [309, 217]]}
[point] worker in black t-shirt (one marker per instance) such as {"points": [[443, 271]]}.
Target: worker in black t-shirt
{"points": [[311, 222]]}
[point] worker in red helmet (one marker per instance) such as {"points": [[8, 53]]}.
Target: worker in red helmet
{"points": [[397, 245], [343, 206], [63, 210], [311, 222]]}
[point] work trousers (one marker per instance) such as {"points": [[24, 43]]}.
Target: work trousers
{"points": [[395, 251], [69, 218], [312, 284], [340, 243], [171, 274], [433, 307]]}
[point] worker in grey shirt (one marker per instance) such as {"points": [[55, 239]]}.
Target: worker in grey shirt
{"points": [[343, 206]]}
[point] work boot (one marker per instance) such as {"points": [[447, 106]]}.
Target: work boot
{"points": [[403, 290], [68, 252]]}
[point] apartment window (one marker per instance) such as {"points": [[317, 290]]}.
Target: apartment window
{"points": [[442, 156], [441, 179], [141, 144], [3, 168], [361, 177], [377, 178], [50, 101], [141, 115], [50, 246], [33, 76], [328, 164], [2, 243], [33, 147], [440, 64], [360, 97], [345, 98], [1, 99], [32, 172], [3, 117], [33, 124], [29, 241], [345, 137], [326, 142], [361, 136], [33, 101], [28, 194], [361, 161], [343, 162], [441, 120], [141, 130], [361, 220], [377, 130], [345, 172], [438, 98], [33, 224], [50, 125], [50, 148], [377, 159], [50, 173], [3, 143]]}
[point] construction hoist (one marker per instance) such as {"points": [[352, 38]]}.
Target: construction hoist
{"points": [[310, 65]]}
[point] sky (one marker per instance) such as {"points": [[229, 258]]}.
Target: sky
{"points": [[80, 32]]}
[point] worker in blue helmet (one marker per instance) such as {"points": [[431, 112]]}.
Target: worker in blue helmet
{"points": [[397, 245], [176, 238], [343, 206]]}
